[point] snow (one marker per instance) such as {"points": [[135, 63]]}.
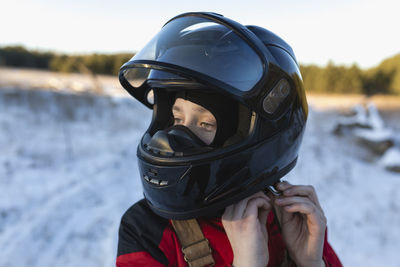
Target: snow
{"points": [[68, 172], [391, 159], [377, 131], [374, 118], [360, 117], [57, 81], [374, 134], [359, 198], [368, 117]]}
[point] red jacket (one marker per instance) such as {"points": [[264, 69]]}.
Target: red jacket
{"points": [[146, 239]]}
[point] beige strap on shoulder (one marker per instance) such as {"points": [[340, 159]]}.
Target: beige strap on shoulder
{"points": [[195, 246]]}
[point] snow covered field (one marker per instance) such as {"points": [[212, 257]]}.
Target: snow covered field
{"points": [[68, 172]]}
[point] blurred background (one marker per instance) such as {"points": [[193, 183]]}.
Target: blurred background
{"points": [[68, 131]]}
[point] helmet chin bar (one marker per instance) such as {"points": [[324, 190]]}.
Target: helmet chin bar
{"points": [[216, 206], [177, 140]]}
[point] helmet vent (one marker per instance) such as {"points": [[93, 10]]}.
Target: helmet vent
{"points": [[154, 181], [277, 95]]}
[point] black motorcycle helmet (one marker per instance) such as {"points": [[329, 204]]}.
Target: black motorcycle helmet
{"points": [[249, 65]]}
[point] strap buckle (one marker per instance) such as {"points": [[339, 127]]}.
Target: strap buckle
{"points": [[198, 251]]}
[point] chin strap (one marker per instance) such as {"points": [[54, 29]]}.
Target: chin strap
{"points": [[195, 247]]}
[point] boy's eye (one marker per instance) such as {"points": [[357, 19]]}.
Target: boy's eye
{"points": [[207, 126], [178, 121]]}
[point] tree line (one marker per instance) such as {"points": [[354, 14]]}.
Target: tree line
{"points": [[19, 56], [382, 79]]}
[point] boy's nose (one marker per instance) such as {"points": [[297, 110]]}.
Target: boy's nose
{"points": [[190, 124], [192, 127]]}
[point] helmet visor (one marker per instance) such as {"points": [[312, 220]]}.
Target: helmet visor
{"points": [[199, 48]]}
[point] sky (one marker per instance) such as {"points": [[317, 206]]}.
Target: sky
{"points": [[363, 32]]}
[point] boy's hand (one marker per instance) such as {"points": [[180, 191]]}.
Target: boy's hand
{"points": [[245, 224], [303, 223]]}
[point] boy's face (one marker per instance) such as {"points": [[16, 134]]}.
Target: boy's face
{"points": [[198, 119]]}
